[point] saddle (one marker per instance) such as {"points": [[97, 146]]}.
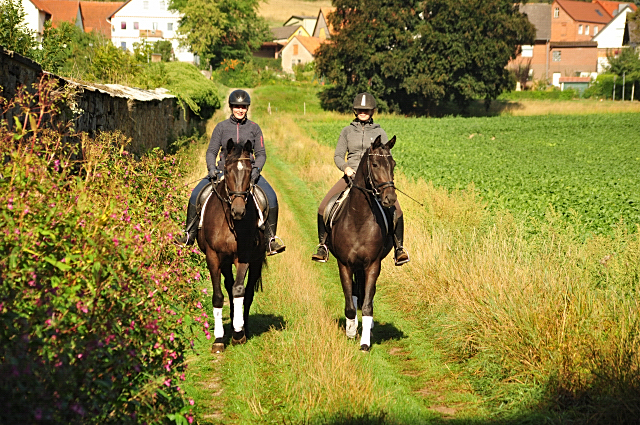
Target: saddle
{"points": [[336, 202], [258, 195]]}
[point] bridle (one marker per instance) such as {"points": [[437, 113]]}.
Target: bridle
{"points": [[375, 188], [233, 194]]}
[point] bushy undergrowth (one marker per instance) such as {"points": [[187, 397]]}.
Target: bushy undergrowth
{"points": [[95, 300], [553, 94]]}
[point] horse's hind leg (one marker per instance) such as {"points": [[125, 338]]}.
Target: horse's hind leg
{"points": [[371, 276], [350, 310], [217, 299], [255, 273], [227, 273]]}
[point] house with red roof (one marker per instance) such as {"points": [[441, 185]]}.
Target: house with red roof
{"points": [[323, 29], [299, 50], [64, 11], [96, 16]]}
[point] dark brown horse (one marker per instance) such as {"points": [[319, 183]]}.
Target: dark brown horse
{"points": [[230, 236], [359, 238]]}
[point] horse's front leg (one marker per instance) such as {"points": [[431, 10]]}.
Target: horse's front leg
{"points": [[238, 336], [350, 309], [217, 299], [371, 276]]}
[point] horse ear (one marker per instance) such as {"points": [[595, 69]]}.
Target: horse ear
{"points": [[377, 143], [230, 146], [247, 147], [391, 142]]}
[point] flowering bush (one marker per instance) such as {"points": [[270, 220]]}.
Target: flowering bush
{"points": [[94, 298]]}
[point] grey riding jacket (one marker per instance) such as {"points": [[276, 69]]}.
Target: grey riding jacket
{"points": [[354, 140], [239, 132]]}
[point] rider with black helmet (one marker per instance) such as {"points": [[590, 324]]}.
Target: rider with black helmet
{"points": [[241, 130], [354, 140]]}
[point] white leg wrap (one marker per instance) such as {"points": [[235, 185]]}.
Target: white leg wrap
{"points": [[352, 327], [238, 320], [367, 324], [218, 330]]}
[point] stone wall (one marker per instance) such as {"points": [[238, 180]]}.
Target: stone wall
{"points": [[150, 118]]}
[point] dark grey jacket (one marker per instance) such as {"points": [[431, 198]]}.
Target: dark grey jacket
{"points": [[354, 140], [240, 132]]}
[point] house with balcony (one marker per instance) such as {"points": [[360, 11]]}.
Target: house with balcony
{"points": [[137, 21]]}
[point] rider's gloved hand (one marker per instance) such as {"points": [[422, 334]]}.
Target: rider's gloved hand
{"points": [[255, 175], [213, 175]]}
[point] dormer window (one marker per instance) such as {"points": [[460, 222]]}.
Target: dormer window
{"points": [[556, 12]]}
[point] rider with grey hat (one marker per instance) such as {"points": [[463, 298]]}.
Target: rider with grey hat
{"points": [[240, 129], [354, 140]]}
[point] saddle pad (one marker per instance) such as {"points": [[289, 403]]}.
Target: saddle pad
{"points": [[259, 198], [333, 207], [202, 210]]}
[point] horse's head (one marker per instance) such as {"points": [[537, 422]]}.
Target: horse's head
{"points": [[237, 177], [380, 171]]}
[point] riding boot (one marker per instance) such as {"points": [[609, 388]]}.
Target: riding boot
{"points": [[274, 243], [191, 228], [401, 255], [322, 255]]}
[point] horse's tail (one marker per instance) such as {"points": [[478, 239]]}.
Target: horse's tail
{"points": [[259, 281]]}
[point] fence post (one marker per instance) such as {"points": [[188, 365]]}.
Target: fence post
{"points": [[633, 90], [614, 88], [623, 81]]}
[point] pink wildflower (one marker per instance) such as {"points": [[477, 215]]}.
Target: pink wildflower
{"points": [[167, 382], [199, 305], [191, 402], [204, 291]]}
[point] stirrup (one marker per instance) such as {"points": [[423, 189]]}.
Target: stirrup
{"points": [[321, 257], [277, 248], [398, 252]]}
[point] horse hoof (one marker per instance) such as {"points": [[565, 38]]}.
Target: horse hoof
{"points": [[238, 338], [218, 347], [365, 348], [351, 328]]}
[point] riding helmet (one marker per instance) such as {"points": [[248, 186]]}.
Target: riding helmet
{"points": [[239, 97], [364, 101]]}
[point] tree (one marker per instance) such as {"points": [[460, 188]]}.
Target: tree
{"points": [[221, 29], [14, 33], [414, 55]]}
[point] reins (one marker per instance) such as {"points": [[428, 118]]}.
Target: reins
{"points": [[231, 196]]}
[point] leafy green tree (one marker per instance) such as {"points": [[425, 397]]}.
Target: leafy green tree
{"points": [[221, 29], [14, 34], [415, 55], [55, 44]]}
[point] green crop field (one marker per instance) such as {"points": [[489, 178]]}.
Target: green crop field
{"points": [[586, 166]]}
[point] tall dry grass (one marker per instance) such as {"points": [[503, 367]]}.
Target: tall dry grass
{"points": [[549, 310]]}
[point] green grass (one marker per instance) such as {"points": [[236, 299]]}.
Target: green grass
{"points": [[584, 166]]}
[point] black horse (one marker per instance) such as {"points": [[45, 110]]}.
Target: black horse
{"points": [[230, 235], [359, 238]]}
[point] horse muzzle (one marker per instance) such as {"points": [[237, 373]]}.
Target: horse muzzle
{"points": [[388, 197], [238, 209]]}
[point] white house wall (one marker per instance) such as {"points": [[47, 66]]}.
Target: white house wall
{"points": [[289, 59], [149, 15], [611, 36], [34, 18]]}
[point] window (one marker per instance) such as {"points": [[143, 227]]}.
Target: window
{"points": [[595, 30], [556, 12], [586, 30], [527, 51], [123, 25], [154, 25], [136, 26], [295, 49], [557, 55], [580, 29], [170, 26], [145, 4], [123, 45]]}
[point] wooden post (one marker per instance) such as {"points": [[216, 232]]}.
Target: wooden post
{"points": [[614, 88], [269, 108], [623, 81], [633, 89]]}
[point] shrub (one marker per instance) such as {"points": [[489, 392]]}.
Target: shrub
{"points": [[234, 73], [94, 297], [192, 88]]}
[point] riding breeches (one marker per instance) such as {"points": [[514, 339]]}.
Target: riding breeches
{"points": [[340, 186]]}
